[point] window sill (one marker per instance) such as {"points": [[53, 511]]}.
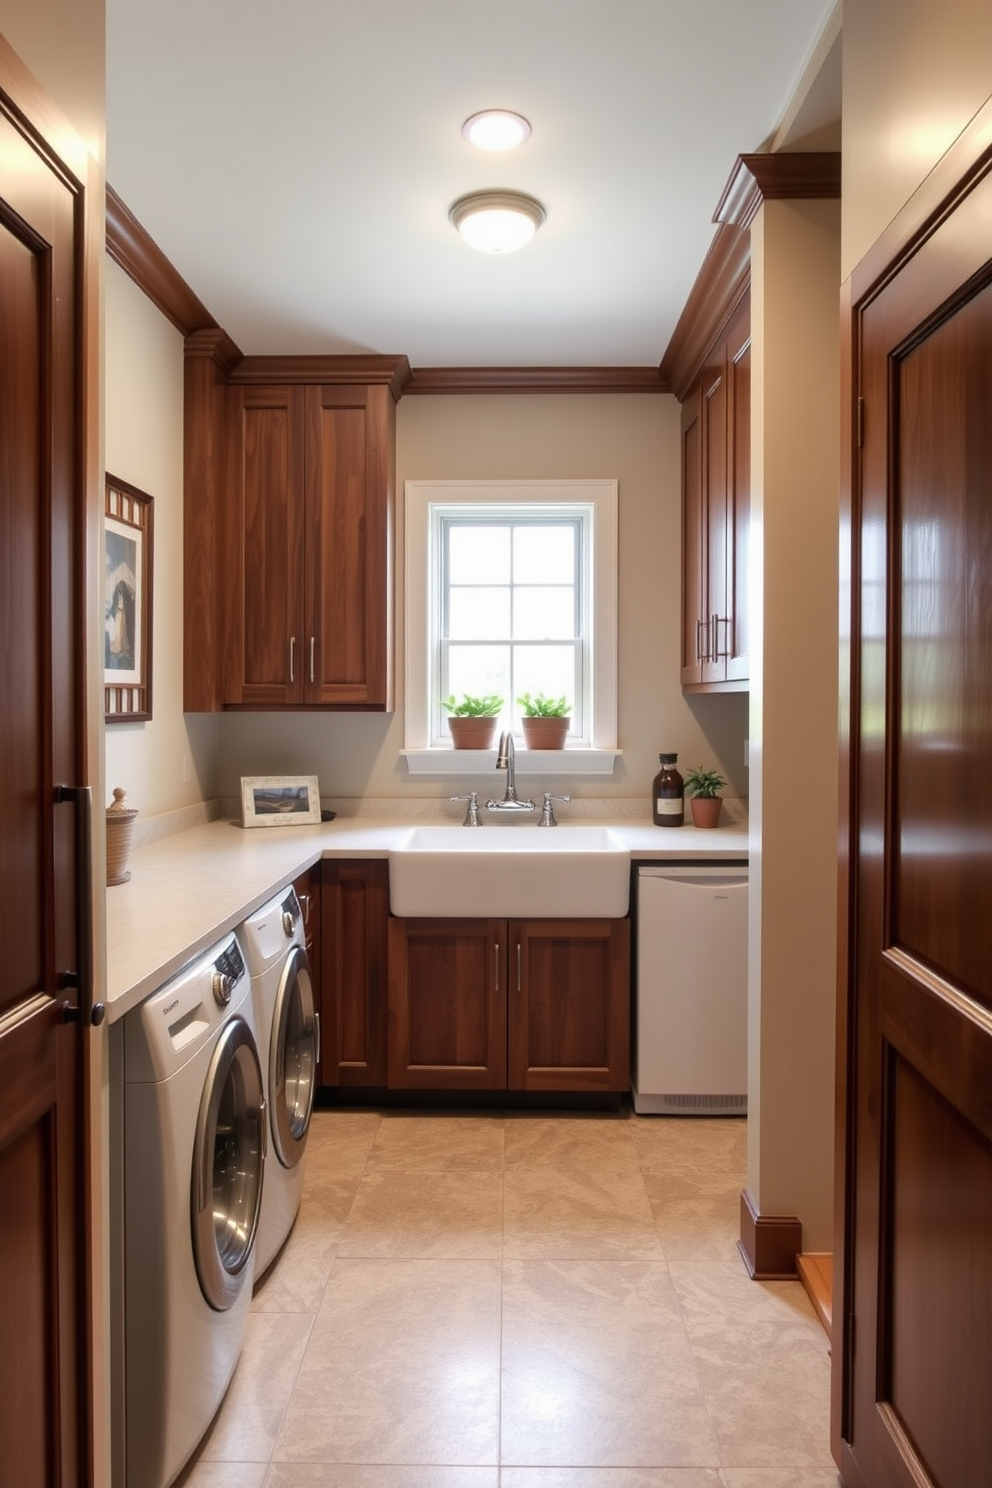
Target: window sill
{"points": [[559, 763]]}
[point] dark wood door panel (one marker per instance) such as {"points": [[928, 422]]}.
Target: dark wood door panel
{"points": [[914, 1367], [936, 1341], [354, 918], [447, 1004]]}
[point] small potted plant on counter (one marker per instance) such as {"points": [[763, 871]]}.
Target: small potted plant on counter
{"points": [[703, 789], [472, 722], [545, 721]]}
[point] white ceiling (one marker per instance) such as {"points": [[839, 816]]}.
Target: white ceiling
{"points": [[295, 160]]}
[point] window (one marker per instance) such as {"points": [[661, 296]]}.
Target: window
{"points": [[511, 588]]}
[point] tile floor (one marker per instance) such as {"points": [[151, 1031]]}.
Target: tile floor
{"points": [[474, 1301]]}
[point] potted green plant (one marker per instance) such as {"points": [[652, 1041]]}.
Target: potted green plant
{"points": [[545, 721], [703, 789], [472, 722]]}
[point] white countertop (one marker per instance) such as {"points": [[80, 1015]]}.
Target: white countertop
{"points": [[189, 890]]}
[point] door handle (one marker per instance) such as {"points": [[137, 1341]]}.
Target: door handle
{"points": [[496, 983], [311, 658], [88, 1012], [292, 658]]}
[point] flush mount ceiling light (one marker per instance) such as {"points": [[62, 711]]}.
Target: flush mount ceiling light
{"points": [[497, 221], [496, 129]]}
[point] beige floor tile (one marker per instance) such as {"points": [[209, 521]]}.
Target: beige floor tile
{"points": [[597, 1371], [402, 1367], [720, 1301], [400, 1215], [223, 1475], [295, 1280], [610, 1477], [347, 1475], [339, 1143], [691, 1143], [697, 1216], [570, 1141], [247, 1426], [590, 1213], [438, 1143], [788, 1477]]}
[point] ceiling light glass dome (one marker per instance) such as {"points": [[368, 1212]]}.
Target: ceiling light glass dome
{"points": [[497, 221]]}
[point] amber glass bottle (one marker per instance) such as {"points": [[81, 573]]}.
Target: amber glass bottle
{"points": [[668, 794]]}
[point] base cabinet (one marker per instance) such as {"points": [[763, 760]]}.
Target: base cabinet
{"points": [[518, 1005], [354, 914]]}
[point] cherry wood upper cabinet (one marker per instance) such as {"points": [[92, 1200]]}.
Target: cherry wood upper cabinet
{"points": [[716, 500], [290, 487]]}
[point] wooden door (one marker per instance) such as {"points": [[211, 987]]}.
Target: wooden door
{"points": [[43, 1351], [913, 1368], [354, 917], [349, 587], [569, 1004], [266, 652], [447, 1004]]}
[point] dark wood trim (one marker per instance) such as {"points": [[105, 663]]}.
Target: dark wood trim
{"points": [[136, 252], [803, 176], [325, 371], [537, 380], [720, 285], [726, 271], [215, 345], [953, 177], [769, 1243], [816, 1272]]}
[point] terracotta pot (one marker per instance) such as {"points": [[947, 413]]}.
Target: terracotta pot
{"points": [[472, 733], [705, 810], [545, 733]]}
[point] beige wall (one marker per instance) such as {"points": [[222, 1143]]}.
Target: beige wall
{"points": [[634, 438], [795, 265], [915, 72], [169, 761]]}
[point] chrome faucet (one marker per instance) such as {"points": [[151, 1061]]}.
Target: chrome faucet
{"points": [[505, 760]]}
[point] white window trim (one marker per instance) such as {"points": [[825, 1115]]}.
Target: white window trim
{"points": [[602, 496]]}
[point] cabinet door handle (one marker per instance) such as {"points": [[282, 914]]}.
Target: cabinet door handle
{"points": [[719, 620], [518, 966], [702, 628], [497, 967], [292, 658], [311, 658]]}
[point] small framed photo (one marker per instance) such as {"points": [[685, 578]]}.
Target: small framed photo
{"points": [[127, 603], [279, 801]]}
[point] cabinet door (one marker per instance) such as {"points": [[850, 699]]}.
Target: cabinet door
{"points": [[735, 642], [695, 631], [569, 1001], [349, 584], [447, 1004], [264, 653], [716, 615], [354, 915]]}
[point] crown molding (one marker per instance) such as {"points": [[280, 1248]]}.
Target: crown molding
{"points": [[802, 176], [340, 371], [537, 380], [136, 252], [725, 275]]}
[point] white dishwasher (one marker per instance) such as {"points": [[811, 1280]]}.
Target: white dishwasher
{"points": [[690, 1010]]}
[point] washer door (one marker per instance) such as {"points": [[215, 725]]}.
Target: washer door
{"points": [[228, 1153], [293, 1054]]}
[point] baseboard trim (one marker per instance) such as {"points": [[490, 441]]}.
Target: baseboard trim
{"points": [[769, 1243], [816, 1272]]}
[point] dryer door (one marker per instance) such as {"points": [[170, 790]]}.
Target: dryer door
{"points": [[293, 1057], [228, 1153]]}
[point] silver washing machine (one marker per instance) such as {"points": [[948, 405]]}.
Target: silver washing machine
{"points": [[194, 1133], [288, 1034]]}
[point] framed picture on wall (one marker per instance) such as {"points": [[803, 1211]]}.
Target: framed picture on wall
{"points": [[127, 603]]}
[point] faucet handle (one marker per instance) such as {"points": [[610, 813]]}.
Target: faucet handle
{"points": [[548, 818], [472, 817]]}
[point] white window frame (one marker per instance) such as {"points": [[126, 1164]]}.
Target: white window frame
{"points": [[600, 499]]}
